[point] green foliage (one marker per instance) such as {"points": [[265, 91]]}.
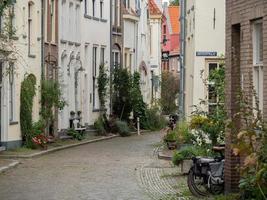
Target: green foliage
{"points": [[169, 92], [99, 125], [27, 94], [174, 2], [251, 145], [75, 134], [184, 133], [5, 4], [171, 136], [154, 121], [188, 153], [122, 128], [102, 83], [139, 106], [38, 128], [122, 105], [50, 99], [212, 123]]}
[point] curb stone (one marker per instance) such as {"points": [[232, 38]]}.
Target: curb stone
{"points": [[58, 148], [9, 166]]}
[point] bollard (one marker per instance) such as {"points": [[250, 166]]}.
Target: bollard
{"points": [[138, 126]]}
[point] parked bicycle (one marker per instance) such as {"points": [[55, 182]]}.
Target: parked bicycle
{"points": [[206, 176]]}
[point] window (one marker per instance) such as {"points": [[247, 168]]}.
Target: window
{"points": [[30, 31], [53, 22], [12, 20], [118, 13], [126, 59], [1, 23], [214, 18], [85, 7], [116, 58], [101, 8], [130, 60], [11, 92], [102, 56], [213, 98], [164, 29], [113, 12], [94, 75], [93, 3], [258, 61]]}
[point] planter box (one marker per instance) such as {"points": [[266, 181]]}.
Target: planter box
{"points": [[185, 166]]}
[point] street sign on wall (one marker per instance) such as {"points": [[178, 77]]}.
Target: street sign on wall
{"points": [[206, 53]]}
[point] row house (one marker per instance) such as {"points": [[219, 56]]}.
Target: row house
{"points": [[84, 45], [67, 41], [20, 55], [170, 46], [246, 60], [155, 21], [205, 23]]}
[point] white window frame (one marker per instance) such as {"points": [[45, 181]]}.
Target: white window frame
{"points": [[257, 63], [209, 104]]}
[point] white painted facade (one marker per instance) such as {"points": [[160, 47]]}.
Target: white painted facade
{"points": [[26, 47], [205, 33], [143, 54], [136, 44], [83, 47], [155, 51]]}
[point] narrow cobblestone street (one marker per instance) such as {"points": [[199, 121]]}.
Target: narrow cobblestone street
{"points": [[111, 170]]}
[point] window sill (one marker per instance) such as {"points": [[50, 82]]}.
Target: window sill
{"points": [[63, 41], [31, 56], [87, 16], [13, 123], [96, 110], [71, 43], [96, 19], [103, 20]]}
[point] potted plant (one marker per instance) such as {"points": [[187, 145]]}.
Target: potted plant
{"points": [[72, 114], [171, 140]]}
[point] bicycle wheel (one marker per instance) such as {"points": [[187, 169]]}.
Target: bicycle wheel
{"points": [[196, 185]]}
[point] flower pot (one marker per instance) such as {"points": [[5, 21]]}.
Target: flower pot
{"points": [[171, 144]]}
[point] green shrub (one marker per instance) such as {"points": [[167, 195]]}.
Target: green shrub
{"points": [[122, 82], [75, 134], [154, 121], [99, 125], [122, 128], [38, 128], [171, 136], [27, 94], [188, 153], [184, 133]]}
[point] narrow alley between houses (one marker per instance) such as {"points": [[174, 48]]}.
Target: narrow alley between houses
{"points": [[110, 169]]}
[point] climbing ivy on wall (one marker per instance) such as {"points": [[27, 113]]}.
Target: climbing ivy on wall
{"points": [[27, 94], [50, 100], [4, 4], [102, 83]]}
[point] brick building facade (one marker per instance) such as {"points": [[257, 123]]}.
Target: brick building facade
{"points": [[246, 58]]}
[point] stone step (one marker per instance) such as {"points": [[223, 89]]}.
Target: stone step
{"points": [[2, 148]]}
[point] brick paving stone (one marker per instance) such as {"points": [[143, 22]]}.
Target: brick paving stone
{"points": [[117, 169]]}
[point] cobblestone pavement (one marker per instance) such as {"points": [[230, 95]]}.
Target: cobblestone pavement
{"points": [[117, 169]]}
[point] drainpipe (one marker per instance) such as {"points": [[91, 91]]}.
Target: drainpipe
{"points": [[42, 39], [111, 60], [182, 61]]}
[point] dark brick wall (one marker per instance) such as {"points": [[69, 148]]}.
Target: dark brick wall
{"points": [[239, 66]]}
